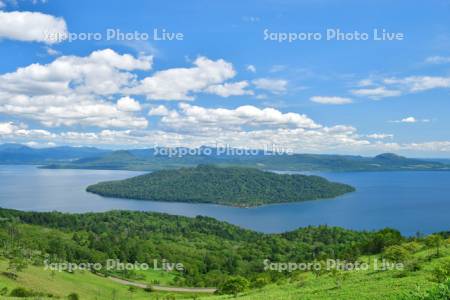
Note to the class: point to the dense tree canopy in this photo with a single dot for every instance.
(211, 251)
(230, 186)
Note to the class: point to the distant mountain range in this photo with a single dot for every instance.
(21, 154)
(154, 159)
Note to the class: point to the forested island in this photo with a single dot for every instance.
(236, 186)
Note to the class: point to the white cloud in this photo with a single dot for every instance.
(380, 136)
(411, 120)
(160, 110)
(376, 93)
(243, 127)
(73, 90)
(31, 26)
(180, 83)
(21, 131)
(201, 119)
(408, 120)
(420, 83)
(229, 89)
(103, 72)
(392, 87)
(438, 60)
(128, 104)
(52, 52)
(276, 86)
(251, 68)
(331, 100)
(7, 128)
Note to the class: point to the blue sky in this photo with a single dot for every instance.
(224, 83)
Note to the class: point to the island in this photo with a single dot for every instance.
(234, 186)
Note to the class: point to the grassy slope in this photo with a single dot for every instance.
(359, 285)
(85, 284)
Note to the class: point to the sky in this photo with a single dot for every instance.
(345, 77)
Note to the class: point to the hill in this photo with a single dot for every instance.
(150, 160)
(214, 254)
(156, 159)
(229, 186)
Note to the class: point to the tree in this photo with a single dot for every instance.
(15, 265)
(319, 269)
(234, 285)
(441, 273)
(339, 277)
(260, 282)
(397, 253)
(434, 240)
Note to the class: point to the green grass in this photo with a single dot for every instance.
(359, 285)
(85, 284)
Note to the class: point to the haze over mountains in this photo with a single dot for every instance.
(152, 159)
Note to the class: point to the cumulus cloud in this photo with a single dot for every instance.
(74, 90)
(331, 100)
(160, 110)
(201, 119)
(275, 86)
(103, 72)
(128, 104)
(229, 89)
(21, 131)
(180, 83)
(242, 127)
(31, 27)
(7, 128)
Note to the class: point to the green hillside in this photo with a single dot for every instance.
(214, 254)
(364, 285)
(361, 285)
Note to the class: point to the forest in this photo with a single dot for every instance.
(213, 253)
(237, 186)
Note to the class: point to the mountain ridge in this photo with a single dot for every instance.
(151, 159)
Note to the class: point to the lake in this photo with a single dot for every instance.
(407, 201)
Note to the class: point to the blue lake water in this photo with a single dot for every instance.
(407, 201)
